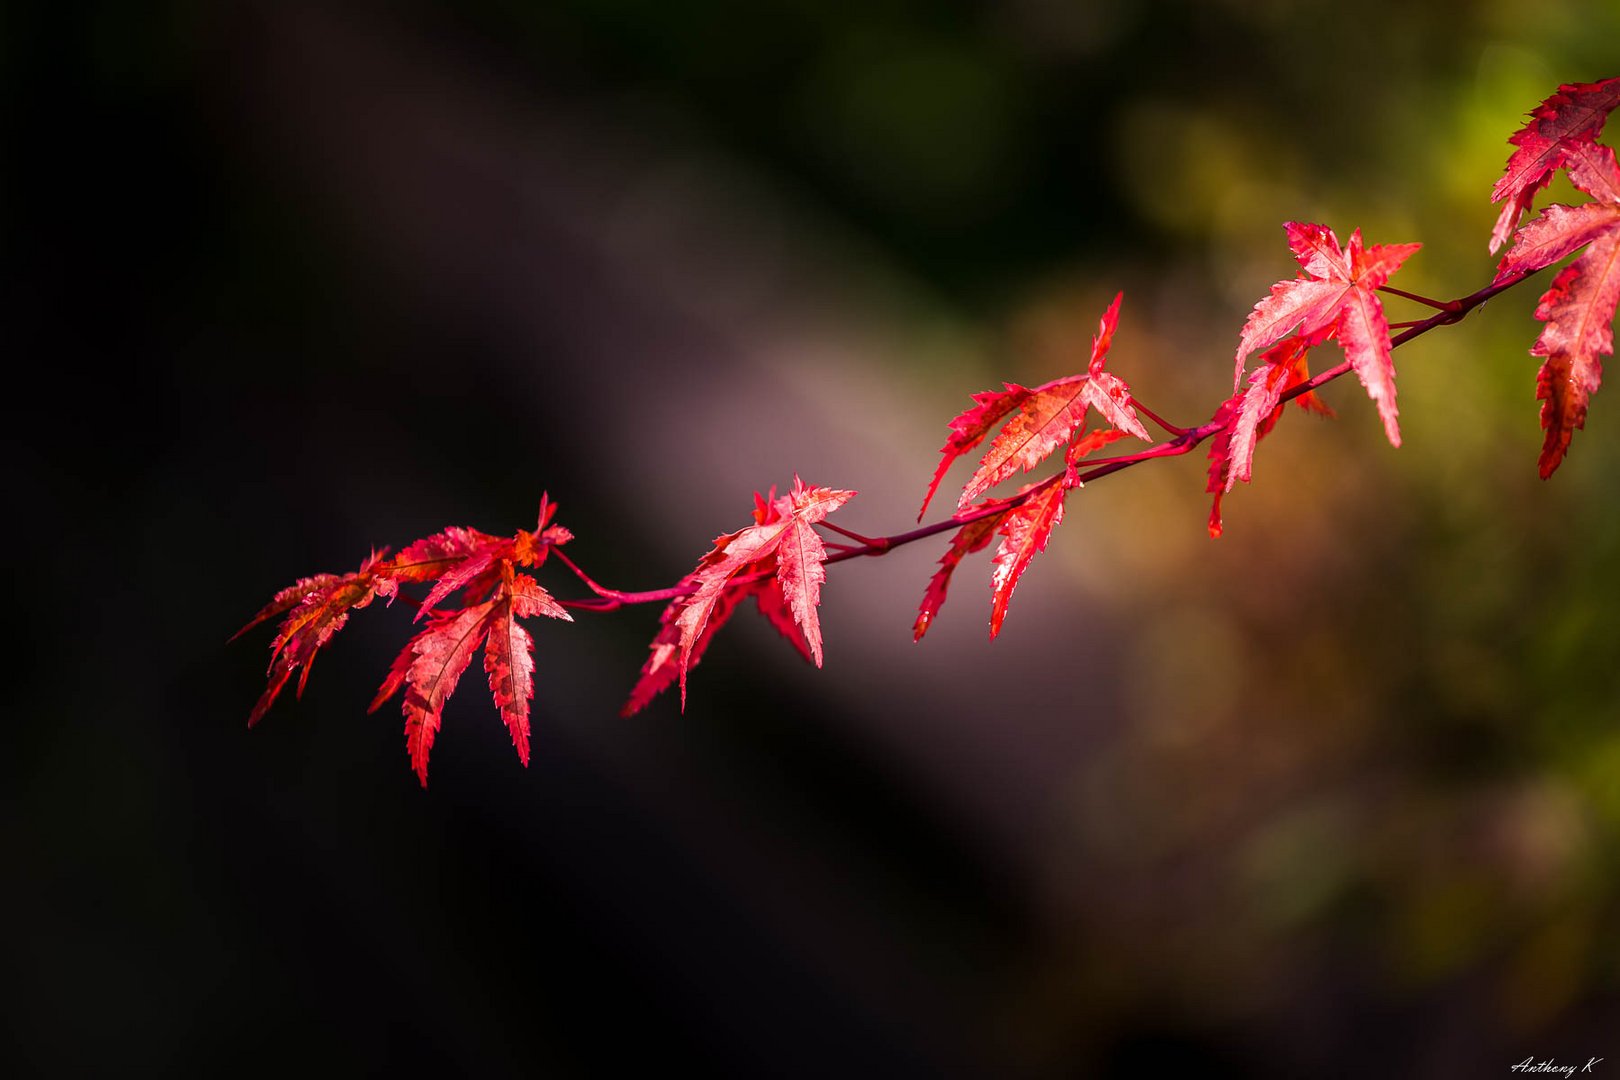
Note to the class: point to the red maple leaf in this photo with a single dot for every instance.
(1024, 532)
(429, 558)
(1043, 419)
(1335, 295)
(316, 607)
(1568, 119)
(437, 657)
(1579, 308)
(508, 653)
(778, 560)
(1250, 415)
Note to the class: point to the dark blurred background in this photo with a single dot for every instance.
(1336, 795)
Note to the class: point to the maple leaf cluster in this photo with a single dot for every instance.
(495, 595)
(780, 560)
(1335, 295)
(1033, 424)
(777, 562)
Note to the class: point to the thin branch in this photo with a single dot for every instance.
(618, 598)
(1183, 441)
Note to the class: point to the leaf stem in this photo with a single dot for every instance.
(1443, 305)
(1169, 428)
(855, 536)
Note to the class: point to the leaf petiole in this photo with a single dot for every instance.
(1439, 305)
(863, 541)
(1168, 427)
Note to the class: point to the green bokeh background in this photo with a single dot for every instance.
(1340, 791)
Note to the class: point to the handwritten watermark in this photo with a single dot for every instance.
(1531, 1065)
